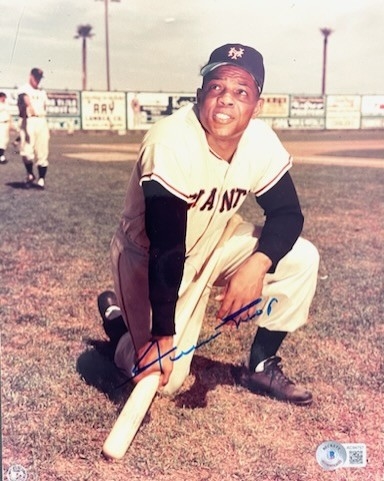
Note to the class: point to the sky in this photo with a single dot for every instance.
(160, 45)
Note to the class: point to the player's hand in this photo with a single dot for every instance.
(155, 356)
(244, 287)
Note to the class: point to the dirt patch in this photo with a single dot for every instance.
(336, 150)
(345, 152)
(102, 156)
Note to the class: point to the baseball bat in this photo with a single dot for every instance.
(140, 400)
(131, 417)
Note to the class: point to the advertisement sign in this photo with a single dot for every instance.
(343, 103)
(350, 120)
(372, 105)
(372, 123)
(275, 106)
(103, 111)
(298, 124)
(145, 108)
(63, 104)
(64, 123)
(343, 112)
(303, 106)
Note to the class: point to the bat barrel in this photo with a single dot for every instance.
(131, 417)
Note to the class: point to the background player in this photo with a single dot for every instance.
(34, 132)
(194, 171)
(5, 126)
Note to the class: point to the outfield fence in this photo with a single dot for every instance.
(121, 111)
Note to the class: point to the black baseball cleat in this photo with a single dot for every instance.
(107, 303)
(41, 183)
(29, 181)
(110, 312)
(272, 382)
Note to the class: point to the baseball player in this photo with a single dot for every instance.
(5, 126)
(34, 132)
(194, 170)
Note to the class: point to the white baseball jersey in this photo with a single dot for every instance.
(37, 97)
(176, 154)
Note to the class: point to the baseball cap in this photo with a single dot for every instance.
(242, 56)
(37, 73)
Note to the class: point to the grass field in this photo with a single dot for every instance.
(58, 385)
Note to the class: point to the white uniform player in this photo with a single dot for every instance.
(34, 131)
(5, 126)
(194, 171)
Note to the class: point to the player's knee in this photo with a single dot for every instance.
(305, 256)
(312, 255)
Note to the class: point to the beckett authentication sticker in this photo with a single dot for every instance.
(331, 455)
(16, 472)
(356, 455)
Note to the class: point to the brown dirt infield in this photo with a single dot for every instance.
(360, 148)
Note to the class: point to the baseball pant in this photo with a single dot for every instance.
(289, 292)
(38, 145)
(4, 135)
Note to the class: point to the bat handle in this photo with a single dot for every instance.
(131, 417)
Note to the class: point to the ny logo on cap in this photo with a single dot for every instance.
(235, 54)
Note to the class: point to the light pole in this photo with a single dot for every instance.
(106, 21)
(326, 33)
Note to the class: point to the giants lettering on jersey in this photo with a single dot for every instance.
(227, 200)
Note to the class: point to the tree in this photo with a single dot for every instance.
(84, 32)
(326, 33)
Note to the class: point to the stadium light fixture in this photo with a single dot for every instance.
(106, 21)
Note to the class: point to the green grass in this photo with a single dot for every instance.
(58, 384)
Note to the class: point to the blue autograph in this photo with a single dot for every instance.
(226, 320)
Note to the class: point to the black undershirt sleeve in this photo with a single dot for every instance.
(283, 220)
(165, 224)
